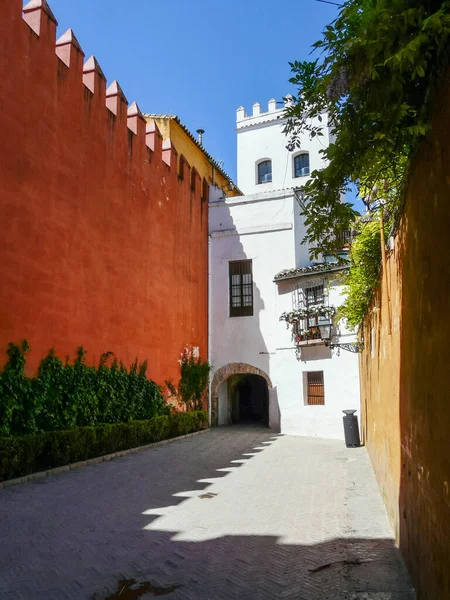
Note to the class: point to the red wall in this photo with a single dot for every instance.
(102, 244)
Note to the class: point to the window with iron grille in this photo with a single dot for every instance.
(315, 388)
(307, 299)
(345, 237)
(265, 171)
(301, 165)
(241, 288)
(314, 296)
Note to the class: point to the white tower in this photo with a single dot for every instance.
(285, 377)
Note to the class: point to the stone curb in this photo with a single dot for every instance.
(93, 461)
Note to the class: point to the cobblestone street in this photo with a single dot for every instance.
(231, 513)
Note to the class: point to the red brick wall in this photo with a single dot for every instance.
(102, 244)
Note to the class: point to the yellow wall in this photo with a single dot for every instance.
(405, 374)
(192, 153)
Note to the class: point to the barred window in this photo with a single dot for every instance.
(307, 299)
(314, 295)
(345, 237)
(241, 288)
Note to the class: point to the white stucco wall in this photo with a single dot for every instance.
(340, 371)
(223, 403)
(261, 228)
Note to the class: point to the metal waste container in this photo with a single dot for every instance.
(351, 430)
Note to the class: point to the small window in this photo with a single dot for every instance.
(315, 392)
(265, 171)
(301, 165)
(241, 288)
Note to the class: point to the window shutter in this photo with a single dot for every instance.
(316, 391)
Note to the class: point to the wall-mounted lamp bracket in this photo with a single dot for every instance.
(354, 347)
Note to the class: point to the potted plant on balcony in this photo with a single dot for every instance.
(304, 316)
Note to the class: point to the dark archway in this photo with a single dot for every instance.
(250, 400)
(222, 375)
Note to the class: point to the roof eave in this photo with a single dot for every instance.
(310, 273)
(211, 160)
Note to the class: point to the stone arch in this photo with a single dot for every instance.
(222, 375)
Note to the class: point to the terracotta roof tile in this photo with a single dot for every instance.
(311, 269)
(193, 138)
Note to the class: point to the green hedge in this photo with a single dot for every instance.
(71, 394)
(41, 451)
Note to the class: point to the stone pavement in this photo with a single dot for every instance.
(234, 513)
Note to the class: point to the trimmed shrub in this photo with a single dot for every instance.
(73, 394)
(35, 452)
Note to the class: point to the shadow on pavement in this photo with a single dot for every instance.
(94, 533)
(260, 567)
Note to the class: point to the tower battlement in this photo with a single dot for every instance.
(105, 237)
(274, 111)
(83, 81)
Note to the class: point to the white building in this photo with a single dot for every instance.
(259, 269)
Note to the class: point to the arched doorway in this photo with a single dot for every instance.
(248, 398)
(240, 390)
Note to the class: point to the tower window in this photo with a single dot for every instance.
(265, 171)
(301, 165)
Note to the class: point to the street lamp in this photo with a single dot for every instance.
(325, 331)
(325, 334)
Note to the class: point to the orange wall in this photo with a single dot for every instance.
(405, 385)
(380, 365)
(102, 245)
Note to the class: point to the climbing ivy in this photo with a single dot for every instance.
(194, 378)
(372, 84)
(70, 394)
(363, 276)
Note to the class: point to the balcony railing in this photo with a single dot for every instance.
(306, 335)
(305, 323)
(346, 237)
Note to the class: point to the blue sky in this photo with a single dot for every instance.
(200, 59)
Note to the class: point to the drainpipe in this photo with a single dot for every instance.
(209, 317)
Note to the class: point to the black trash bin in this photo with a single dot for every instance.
(351, 430)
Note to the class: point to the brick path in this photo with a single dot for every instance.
(235, 513)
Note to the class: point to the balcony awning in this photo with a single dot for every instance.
(318, 268)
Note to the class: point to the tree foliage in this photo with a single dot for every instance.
(372, 85)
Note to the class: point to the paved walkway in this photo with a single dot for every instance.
(232, 513)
